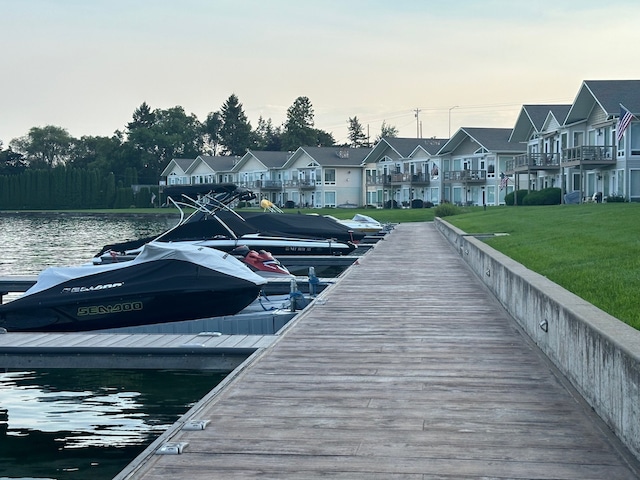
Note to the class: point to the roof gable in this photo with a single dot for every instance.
(404, 147)
(607, 95)
(180, 164)
(532, 119)
(495, 140)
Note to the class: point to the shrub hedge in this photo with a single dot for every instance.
(510, 197)
(546, 196)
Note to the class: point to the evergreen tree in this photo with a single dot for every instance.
(324, 139)
(387, 131)
(299, 127)
(235, 132)
(357, 137)
(267, 136)
(211, 132)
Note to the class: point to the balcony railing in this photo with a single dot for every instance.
(269, 184)
(589, 155)
(535, 161)
(466, 176)
(300, 184)
(400, 179)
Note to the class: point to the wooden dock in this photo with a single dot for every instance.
(407, 368)
(203, 351)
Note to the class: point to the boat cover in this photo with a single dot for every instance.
(292, 225)
(206, 257)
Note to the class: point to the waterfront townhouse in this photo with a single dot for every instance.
(203, 169)
(212, 169)
(578, 147)
(403, 172)
(261, 172)
(583, 153)
(597, 160)
(175, 173)
(538, 127)
(319, 177)
(472, 164)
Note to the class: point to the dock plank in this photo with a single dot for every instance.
(406, 368)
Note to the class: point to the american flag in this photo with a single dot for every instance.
(623, 122)
(503, 181)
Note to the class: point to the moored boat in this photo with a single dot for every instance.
(214, 224)
(164, 283)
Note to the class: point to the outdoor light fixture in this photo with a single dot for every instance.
(544, 325)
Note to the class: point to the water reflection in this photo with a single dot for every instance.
(66, 423)
(33, 241)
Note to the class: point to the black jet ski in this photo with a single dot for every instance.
(164, 283)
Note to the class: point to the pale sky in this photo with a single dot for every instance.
(86, 65)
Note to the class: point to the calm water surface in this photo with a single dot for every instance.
(81, 424)
(31, 242)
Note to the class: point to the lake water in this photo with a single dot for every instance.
(80, 423)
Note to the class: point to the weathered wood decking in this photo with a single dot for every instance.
(409, 369)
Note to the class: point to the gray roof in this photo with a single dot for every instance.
(221, 163)
(406, 146)
(609, 95)
(337, 156)
(532, 118)
(492, 139)
(183, 163)
(271, 159)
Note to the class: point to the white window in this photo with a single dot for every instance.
(329, 199)
(330, 176)
(634, 129)
(491, 195)
(634, 187)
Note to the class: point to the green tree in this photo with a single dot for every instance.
(267, 137)
(387, 131)
(324, 139)
(299, 127)
(11, 162)
(211, 132)
(96, 153)
(235, 133)
(44, 146)
(155, 137)
(357, 137)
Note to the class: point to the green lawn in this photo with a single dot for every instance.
(592, 250)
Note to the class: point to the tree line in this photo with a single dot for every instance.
(155, 136)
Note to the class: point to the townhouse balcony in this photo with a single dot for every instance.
(533, 162)
(397, 179)
(419, 178)
(468, 177)
(593, 156)
(269, 184)
(300, 184)
(306, 185)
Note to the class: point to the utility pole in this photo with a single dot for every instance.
(417, 110)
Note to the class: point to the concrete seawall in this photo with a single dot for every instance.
(598, 353)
